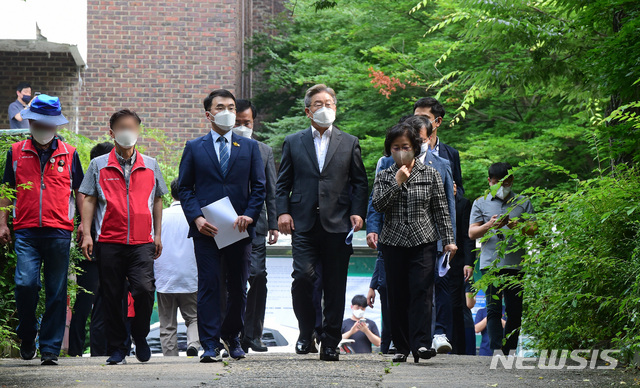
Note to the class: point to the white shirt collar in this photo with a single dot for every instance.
(216, 135)
(326, 133)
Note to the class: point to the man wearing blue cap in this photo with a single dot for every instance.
(46, 174)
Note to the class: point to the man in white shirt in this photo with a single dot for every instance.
(176, 276)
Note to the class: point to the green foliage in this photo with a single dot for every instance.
(547, 86)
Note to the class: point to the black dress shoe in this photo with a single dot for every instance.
(399, 357)
(424, 353)
(303, 346)
(48, 359)
(192, 351)
(255, 344)
(27, 350)
(329, 354)
(315, 339)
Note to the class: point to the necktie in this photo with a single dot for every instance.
(224, 155)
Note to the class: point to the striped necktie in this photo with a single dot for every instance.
(224, 155)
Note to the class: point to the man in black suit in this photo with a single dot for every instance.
(267, 224)
(461, 271)
(321, 194)
(434, 111)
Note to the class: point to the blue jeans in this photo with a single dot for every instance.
(32, 253)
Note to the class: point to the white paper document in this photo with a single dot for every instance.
(222, 215)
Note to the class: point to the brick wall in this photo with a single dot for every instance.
(160, 58)
(55, 74)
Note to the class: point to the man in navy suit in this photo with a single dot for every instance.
(217, 165)
(434, 111)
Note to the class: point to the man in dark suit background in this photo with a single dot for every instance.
(321, 194)
(461, 271)
(217, 165)
(434, 111)
(267, 224)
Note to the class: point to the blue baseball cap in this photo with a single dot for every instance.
(46, 109)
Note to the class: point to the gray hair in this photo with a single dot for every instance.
(315, 89)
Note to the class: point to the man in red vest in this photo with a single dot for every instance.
(46, 173)
(123, 195)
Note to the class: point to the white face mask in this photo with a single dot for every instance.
(42, 137)
(324, 116)
(126, 138)
(424, 148)
(402, 157)
(224, 120)
(359, 314)
(243, 131)
(503, 192)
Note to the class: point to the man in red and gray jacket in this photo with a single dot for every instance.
(123, 195)
(46, 172)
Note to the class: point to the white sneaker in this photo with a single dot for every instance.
(441, 343)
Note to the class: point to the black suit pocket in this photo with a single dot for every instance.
(295, 198)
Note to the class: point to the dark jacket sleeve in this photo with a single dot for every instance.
(374, 218)
(466, 245)
(285, 179)
(258, 185)
(456, 169)
(469, 244)
(270, 170)
(359, 183)
(186, 182)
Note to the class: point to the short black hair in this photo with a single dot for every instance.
(404, 118)
(217, 93)
(242, 105)
(359, 300)
(429, 102)
(100, 149)
(123, 113)
(175, 186)
(499, 170)
(402, 129)
(22, 85)
(417, 122)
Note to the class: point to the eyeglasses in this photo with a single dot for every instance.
(220, 108)
(319, 105)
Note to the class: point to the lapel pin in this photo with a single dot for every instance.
(236, 144)
(52, 160)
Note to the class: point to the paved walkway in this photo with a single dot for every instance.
(290, 370)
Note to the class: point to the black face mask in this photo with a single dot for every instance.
(26, 99)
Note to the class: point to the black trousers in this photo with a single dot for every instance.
(328, 249)
(458, 304)
(118, 263)
(88, 280)
(257, 293)
(385, 338)
(410, 292)
(513, 309)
